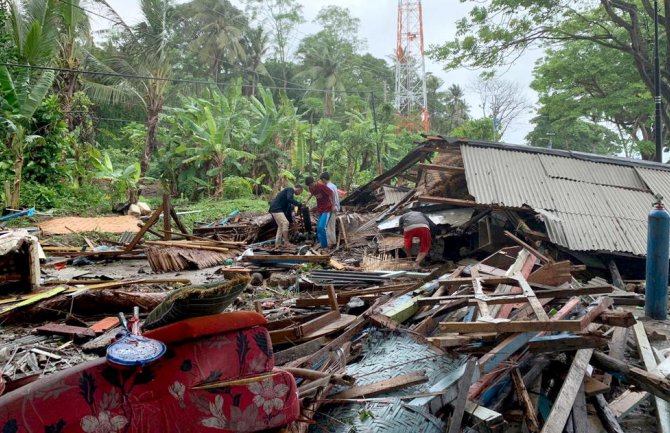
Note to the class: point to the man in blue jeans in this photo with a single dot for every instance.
(324, 206)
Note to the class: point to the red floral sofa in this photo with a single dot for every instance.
(217, 375)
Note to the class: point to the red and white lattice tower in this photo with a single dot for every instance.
(410, 66)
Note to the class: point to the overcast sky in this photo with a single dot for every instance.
(378, 28)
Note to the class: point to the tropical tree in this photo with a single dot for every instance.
(256, 45)
(212, 132)
(324, 61)
(281, 17)
(209, 38)
(279, 134)
(145, 52)
(33, 37)
(496, 32)
(604, 90)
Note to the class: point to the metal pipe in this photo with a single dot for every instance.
(658, 249)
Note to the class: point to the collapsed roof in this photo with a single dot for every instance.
(587, 202)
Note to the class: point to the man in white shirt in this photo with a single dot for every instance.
(332, 222)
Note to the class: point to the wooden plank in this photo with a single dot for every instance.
(606, 415)
(445, 168)
(447, 390)
(578, 414)
(643, 379)
(33, 299)
(594, 387)
(459, 403)
(383, 386)
(552, 274)
(66, 330)
(541, 294)
(443, 341)
(538, 309)
(649, 360)
(511, 344)
(286, 258)
(530, 249)
(626, 402)
(529, 412)
(167, 222)
(514, 326)
(566, 396)
(296, 352)
(617, 348)
(565, 343)
(467, 203)
(481, 415)
(617, 281)
(147, 225)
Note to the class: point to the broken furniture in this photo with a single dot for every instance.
(20, 255)
(219, 374)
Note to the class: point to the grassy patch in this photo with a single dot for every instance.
(217, 209)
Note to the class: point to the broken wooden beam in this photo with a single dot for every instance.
(522, 396)
(643, 379)
(65, 330)
(568, 393)
(383, 386)
(286, 258)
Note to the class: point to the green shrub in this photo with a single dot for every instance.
(236, 187)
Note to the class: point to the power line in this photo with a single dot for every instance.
(172, 80)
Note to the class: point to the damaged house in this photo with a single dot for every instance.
(585, 206)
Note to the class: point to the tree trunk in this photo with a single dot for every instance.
(218, 181)
(151, 143)
(16, 187)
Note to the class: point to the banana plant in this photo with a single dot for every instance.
(18, 105)
(124, 181)
(217, 130)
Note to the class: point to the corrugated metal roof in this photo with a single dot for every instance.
(393, 195)
(590, 172)
(658, 181)
(587, 205)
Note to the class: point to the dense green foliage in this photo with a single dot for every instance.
(240, 104)
(214, 101)
(596, 79)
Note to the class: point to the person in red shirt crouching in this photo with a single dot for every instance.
(324, 207)
(416, 225)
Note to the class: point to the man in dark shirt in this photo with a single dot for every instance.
(281, 209)
(324, 205)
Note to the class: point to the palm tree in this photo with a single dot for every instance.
(74, 29)
(256, 45)
(22, 91)
(324, 61)
(457, 110)
(147, 54)
(220, 33)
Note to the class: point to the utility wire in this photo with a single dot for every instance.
(172, 80)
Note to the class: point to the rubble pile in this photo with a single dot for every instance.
(516, 322)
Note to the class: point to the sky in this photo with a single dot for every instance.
(378, 28)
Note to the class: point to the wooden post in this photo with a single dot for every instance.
(528, 408)
(167, 223)
(332, 298)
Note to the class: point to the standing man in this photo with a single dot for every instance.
(324, 206)
(416, 225)
(281, 209)
(332, 221)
